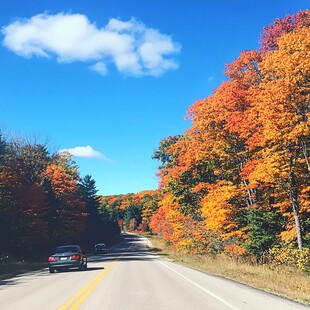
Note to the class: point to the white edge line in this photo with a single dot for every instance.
(202, 288)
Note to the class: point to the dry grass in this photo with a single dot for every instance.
(283, 281)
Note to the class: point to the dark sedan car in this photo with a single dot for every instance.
(66, 257)
(100, 248)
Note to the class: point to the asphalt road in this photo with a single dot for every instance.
(130, 277)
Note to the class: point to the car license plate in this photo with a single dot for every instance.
(63, 258)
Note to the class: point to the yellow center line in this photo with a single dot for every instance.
(76, 301)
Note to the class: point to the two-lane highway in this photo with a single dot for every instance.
(130, 277)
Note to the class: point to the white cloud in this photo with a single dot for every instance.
(153, 48)
(130, 45)
(86, 152)
(100, 67)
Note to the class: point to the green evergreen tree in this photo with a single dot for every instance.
(264, 228)
(132, 213)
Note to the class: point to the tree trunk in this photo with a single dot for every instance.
(251, 200)
(305, 153)
(295, 205)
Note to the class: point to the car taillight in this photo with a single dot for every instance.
(52, 259)
(76, 256)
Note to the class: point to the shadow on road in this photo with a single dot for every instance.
(132, 248)
(76, 270)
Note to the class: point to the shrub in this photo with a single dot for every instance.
(291, 256)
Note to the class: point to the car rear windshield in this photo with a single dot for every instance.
(64, 249)
(99, 246)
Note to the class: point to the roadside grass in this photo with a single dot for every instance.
(283, 281)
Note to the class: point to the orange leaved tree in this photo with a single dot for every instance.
(282, 106)
(67, 209)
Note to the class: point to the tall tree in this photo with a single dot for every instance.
(88, 190)
(94, 230)
(23, 202)
(283, 109)
(67, 209)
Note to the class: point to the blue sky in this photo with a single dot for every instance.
(108, 80)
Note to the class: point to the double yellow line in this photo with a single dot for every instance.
(76, 301)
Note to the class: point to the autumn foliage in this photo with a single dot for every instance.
(42, 203)
(240, 174)
(132, 211)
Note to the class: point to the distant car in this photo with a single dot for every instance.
(67, 257)
(100, 248)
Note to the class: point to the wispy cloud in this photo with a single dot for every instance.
(132, 47)
(100, 67)
(86, 152)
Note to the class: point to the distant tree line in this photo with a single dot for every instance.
(44, 202)
(133, 211)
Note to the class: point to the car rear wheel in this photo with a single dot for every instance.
(52, 270)
(83, 266)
